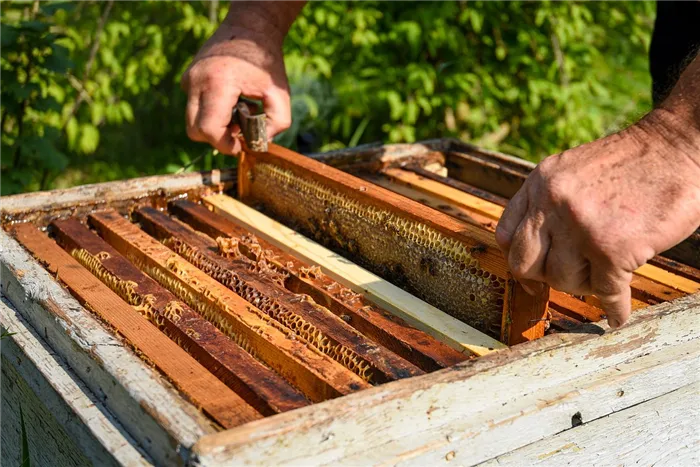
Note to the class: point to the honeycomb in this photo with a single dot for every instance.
(125, 289)
(439, 269)
(208, 308)
(274, 309)
(230, 247)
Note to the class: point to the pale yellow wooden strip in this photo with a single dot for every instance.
(419, 313)
(446, 192)
(662, 276)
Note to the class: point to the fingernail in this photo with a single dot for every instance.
(527, 289)
(614, 324)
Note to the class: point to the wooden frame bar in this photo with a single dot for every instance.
(454, 265)
(259, 386)
(449, 330)
(54, 401)
(147, 407)
(215, 398)
(427, 191)
(318, 377)
(317, 325)
(536, 389)
(414, 345)
(595, 376)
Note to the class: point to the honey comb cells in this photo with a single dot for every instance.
(440, 269)
(303, 329)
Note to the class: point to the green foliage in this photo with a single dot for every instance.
(530, 78)
(90, 90)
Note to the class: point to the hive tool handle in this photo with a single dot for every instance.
(253, 127)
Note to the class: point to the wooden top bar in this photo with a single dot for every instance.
(318, 376)
(256, 383)
(205, 390)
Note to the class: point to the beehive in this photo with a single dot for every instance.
(215, 316)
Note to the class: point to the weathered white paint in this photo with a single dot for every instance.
(66, 424)
(661, 432)
(481, 409)
(420, 314)
(111, 191)
(153, 412)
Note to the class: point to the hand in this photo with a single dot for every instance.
(234, 62)
(585, 219)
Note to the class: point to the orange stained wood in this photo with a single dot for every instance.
(573, 307)
(521, 321)
(318, 376)
(202, 387)
(336, 339)
(414, 345)
(644, 289)
(595, 301)
(669, 279)
(480, 242)
(261, 387)
(445, 192)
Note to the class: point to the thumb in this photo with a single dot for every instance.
(612, 287)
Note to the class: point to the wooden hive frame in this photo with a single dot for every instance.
(509, 405)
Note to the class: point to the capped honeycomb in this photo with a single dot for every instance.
(439, 269)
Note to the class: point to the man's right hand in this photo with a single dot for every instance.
(243, 57)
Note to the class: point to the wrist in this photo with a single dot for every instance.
(678, 133)
(271, 20)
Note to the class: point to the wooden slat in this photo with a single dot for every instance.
(499, 178)
(669, 279)
(459, 185)
(215, 398)
(652, 292)
(686, 252)
(418, 313)
(595, 301)
(445, 192)
(262, 388)
(676, 267)
(573, 307)
(337, 339)
(432, 201)
(318, 376)
(643, 289)
(522, 322)
(453, 265)
(414, 345)
(535, 390)
(561, 322)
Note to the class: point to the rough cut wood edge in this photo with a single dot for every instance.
(662, 431)
(415, 311)
(93, 429)
(148, 407)
(534, 391)
(111, 191)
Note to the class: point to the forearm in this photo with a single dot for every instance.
(682, 109)
(272, 19)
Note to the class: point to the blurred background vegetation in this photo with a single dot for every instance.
(90, 90)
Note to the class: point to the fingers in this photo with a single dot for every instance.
(566, 270)
(612, 287)
(214, 117)
(529, 249)
(277, 104)
(510, 220)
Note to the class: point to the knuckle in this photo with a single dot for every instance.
(503, 237)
